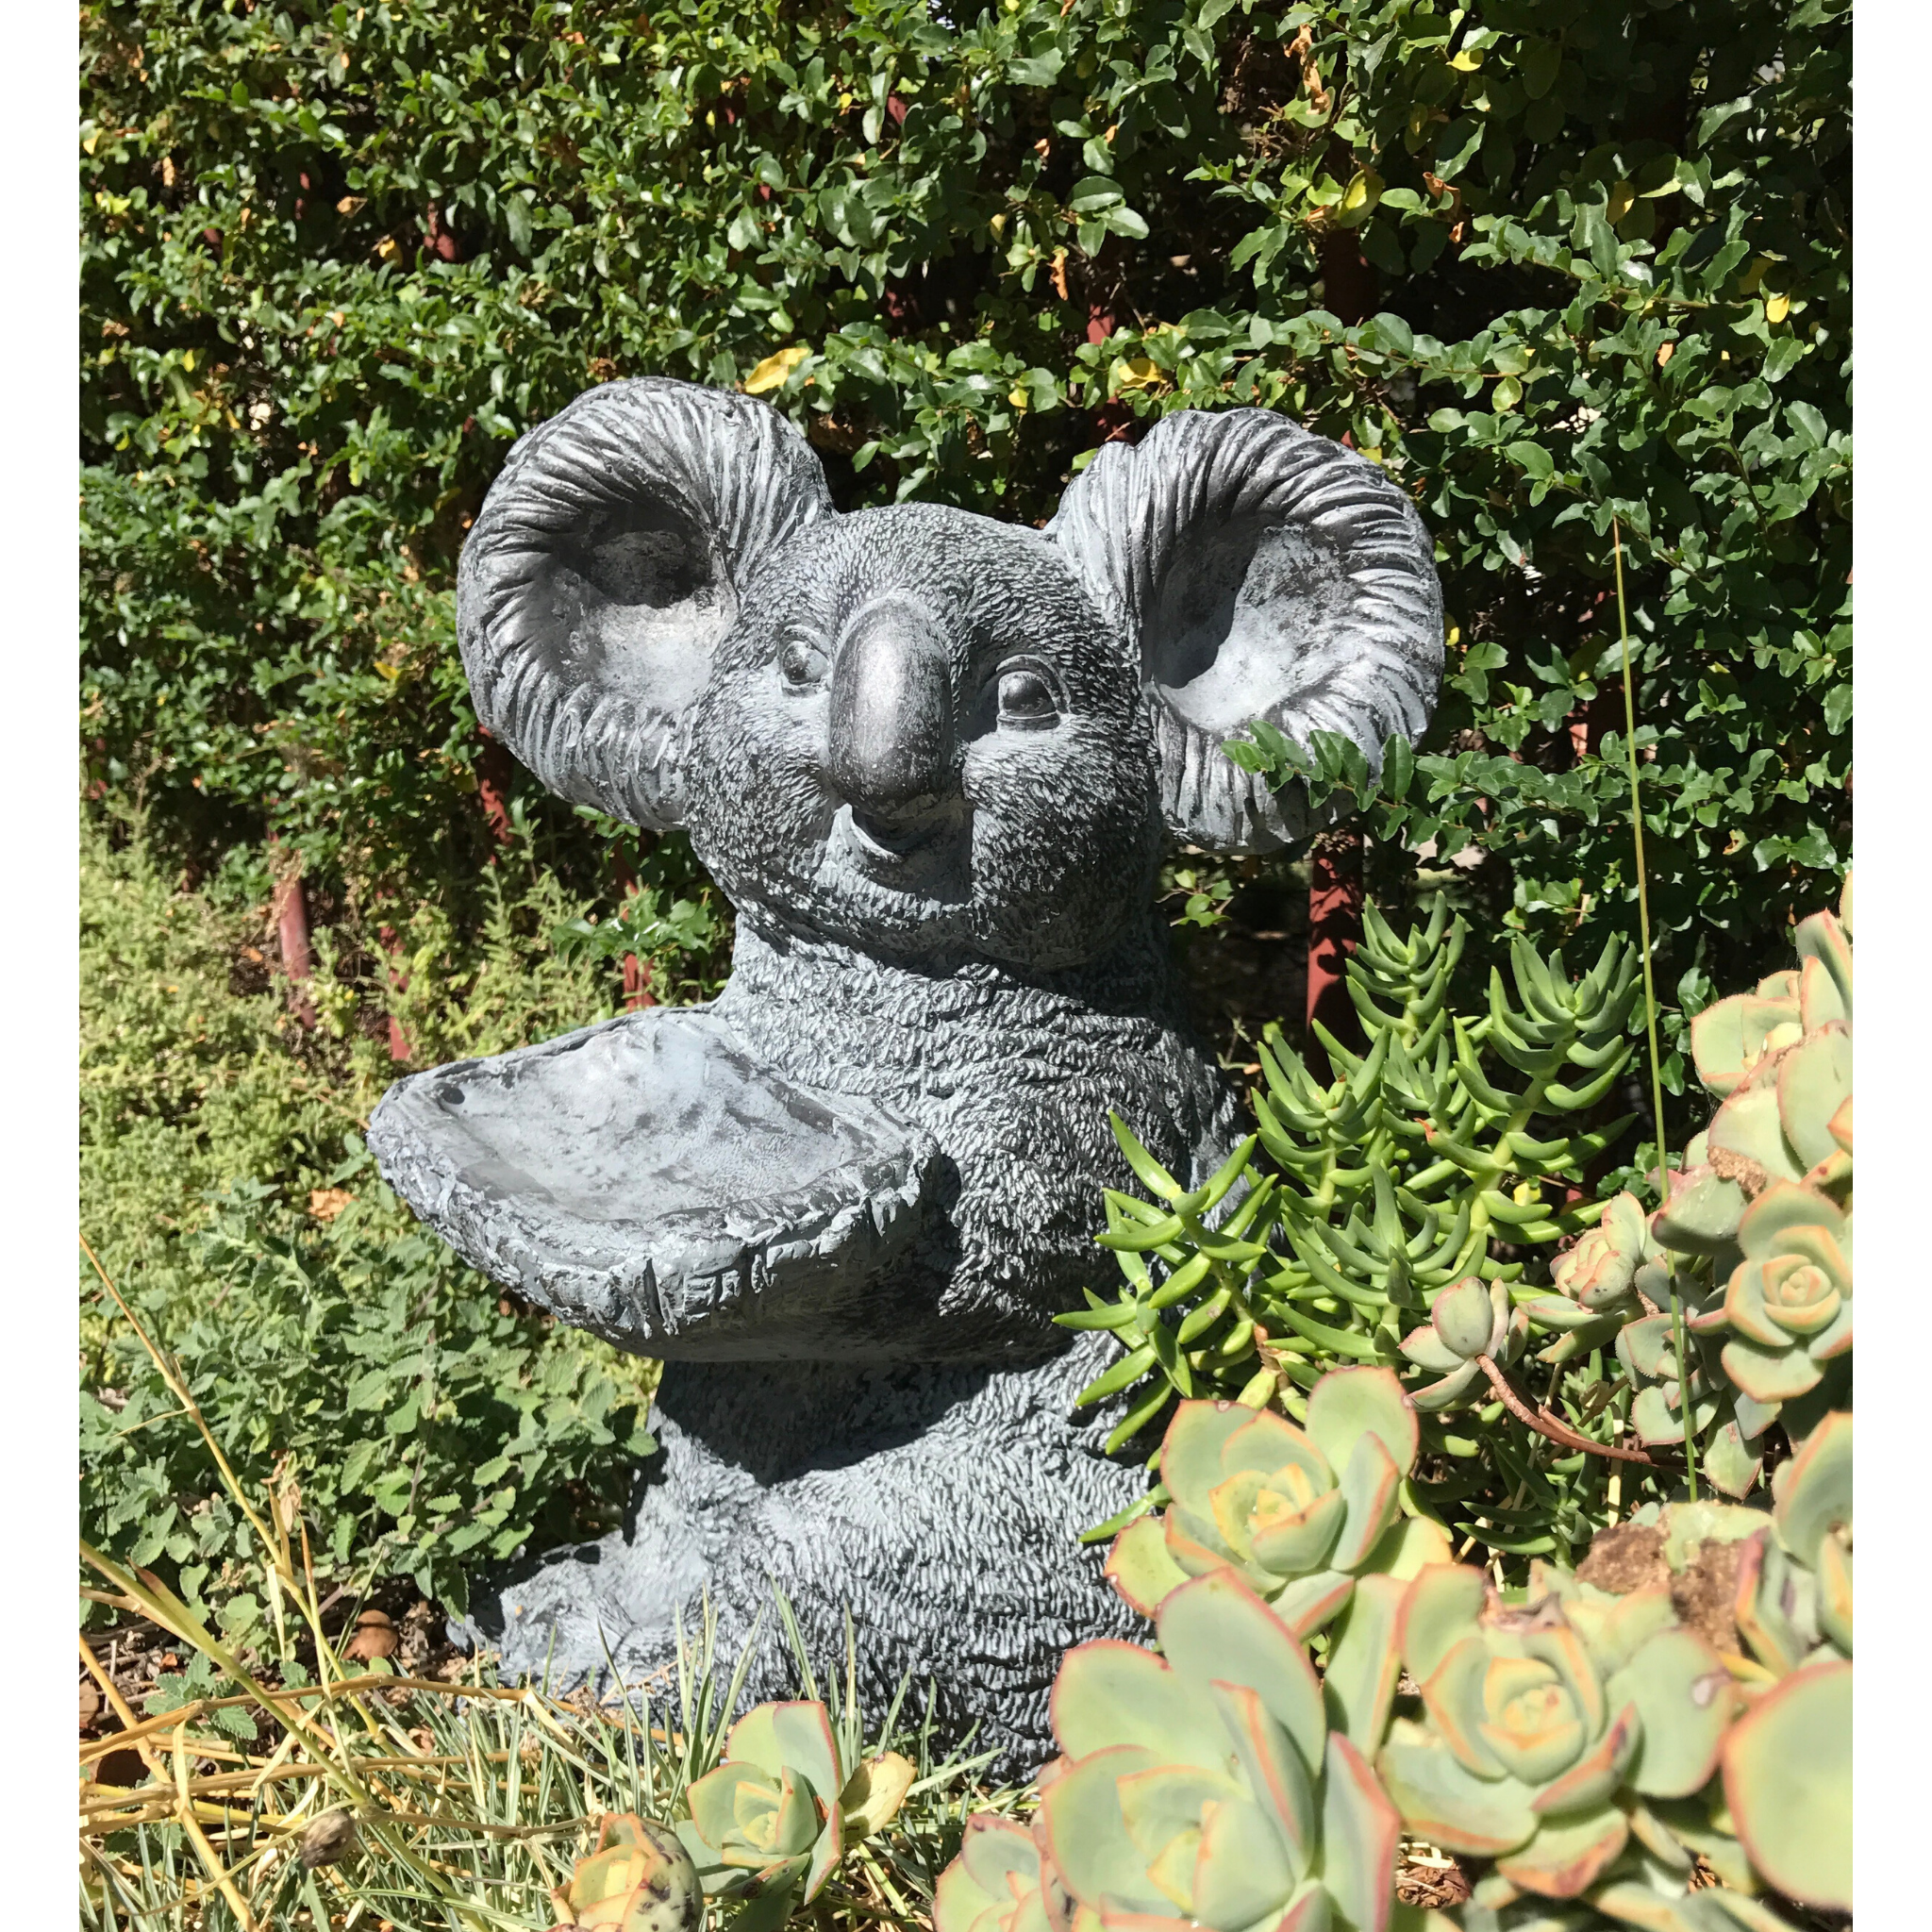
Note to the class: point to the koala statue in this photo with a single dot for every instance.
(933, 761)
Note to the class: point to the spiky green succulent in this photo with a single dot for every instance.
(1469, 1321)
(1550, 1727)
(1220, 1783)
(773, 1821)
(1298, 1514)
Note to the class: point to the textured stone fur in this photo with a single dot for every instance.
(941, 1506)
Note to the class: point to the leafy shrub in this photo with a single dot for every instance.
(1550, 265)
(413, 1423)
(189, 1081)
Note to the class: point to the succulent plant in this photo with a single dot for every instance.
(1788, 1761)
(1299, 1515)
(1422, 1159)
(1469, 1319)
(1002, 1880)
(1760, 1222)
(1771, 1201)
(1550, 1727)
(1788, 1783)
(1208, 1785)
(1647, 1351)
(638, 1879)
(774, 1819)
(1616, 1266)
(1788, 1305)
(1794, 1584)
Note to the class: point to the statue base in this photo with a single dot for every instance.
(942, 1505)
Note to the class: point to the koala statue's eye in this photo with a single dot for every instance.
(801, 663)
(1028, 697)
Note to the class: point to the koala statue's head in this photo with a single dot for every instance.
(914, 730)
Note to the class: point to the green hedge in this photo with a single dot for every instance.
(1552, 265)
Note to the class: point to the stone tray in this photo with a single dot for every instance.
(646, 1177)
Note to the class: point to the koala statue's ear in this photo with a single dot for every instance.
(605, 566)
(1257, 571)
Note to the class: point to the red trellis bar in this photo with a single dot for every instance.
(289, 912)
(1335, 875)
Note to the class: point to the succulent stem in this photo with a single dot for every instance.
(1545, 1423)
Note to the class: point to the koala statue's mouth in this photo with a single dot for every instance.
(927, 854)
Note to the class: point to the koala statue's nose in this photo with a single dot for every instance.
(892, 711)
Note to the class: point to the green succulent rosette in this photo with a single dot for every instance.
(1549, 1728)
(1762, 1220)
(1795, 1579)
(1298, 1514)
(1469, 1319)
(1208, 1785)
(768, 1819)
(1616, 1265)
(1787, 1304)
(1728, 1426)
(1002, 1881)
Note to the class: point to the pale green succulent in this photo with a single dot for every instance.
(1788, 1761)
(1787, 1304)
(1298, 1515)
(1220, 1784)
(1468, 1321)
(1550, 1725)
(1002, 1881)
(1762, 1216)
(773, 1821)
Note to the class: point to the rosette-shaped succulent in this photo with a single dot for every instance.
(1794, 1581)
(1540, 1721)
(1466, 1321)
(1788, 1761)
(1615, 1266)
(1299, 1515)
(1208, 1785)
(638, 1879)
(1615, 1273)
(1788, 1303)
(1782, 1057)
(774, 1819)
(1002, 1881)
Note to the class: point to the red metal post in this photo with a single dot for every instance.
(492, 786)
(291, 914)
(400, 1047)
(637, 975)
(1334, 929)
(1334, 877)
